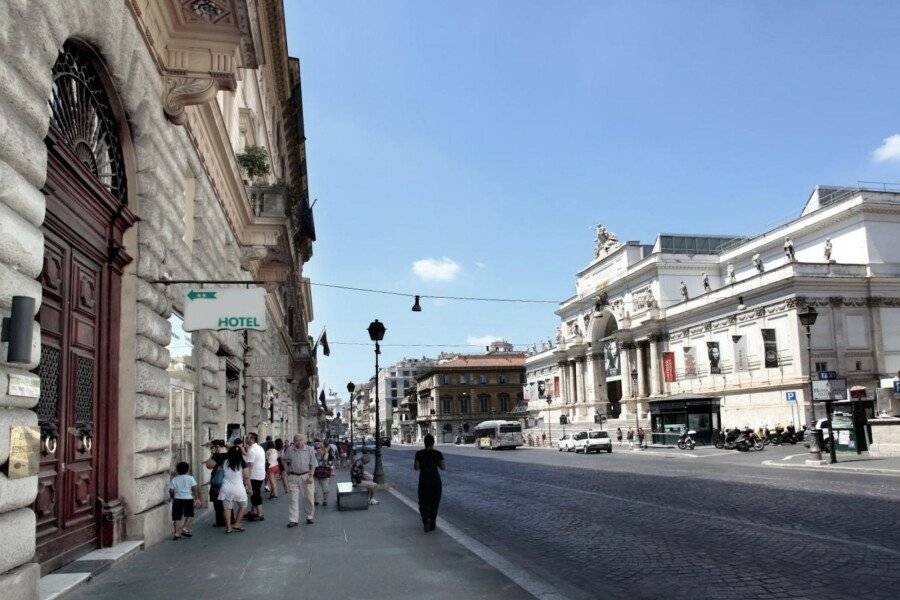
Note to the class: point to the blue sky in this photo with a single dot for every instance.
(496, 134)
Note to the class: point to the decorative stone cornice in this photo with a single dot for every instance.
(183, 91)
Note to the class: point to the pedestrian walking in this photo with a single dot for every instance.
(282, 471)
(429, 463)
(640, 437)
(344, 451)
(215, 463)
(235, 486)
(185, 496)
(630, 437)
(360, 477)
(272, 470)
(543, 439)
(322, 473)
(300, 461)
(255, 458)
(619, 435)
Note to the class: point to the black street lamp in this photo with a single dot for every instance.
(376, 334)
(351, 388)
(807, 318)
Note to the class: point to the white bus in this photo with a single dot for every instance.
(498, 434)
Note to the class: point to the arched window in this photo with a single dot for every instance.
(484, 403)
(82, 120)
(504, 402)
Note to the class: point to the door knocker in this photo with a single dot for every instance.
(49, 437)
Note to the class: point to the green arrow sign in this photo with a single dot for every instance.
(194, 294)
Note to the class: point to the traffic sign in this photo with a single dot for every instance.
(791, 397)
(229, 309)
(823, 375)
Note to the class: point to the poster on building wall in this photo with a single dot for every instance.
(542, 389)
(611, 358)
(715, 357)
(770, 348)
(741, 360)
(556, 387)
(668, 362)
(690, 361)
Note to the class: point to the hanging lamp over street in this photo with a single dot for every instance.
(416, 307)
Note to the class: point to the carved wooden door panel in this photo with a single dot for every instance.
(66, 505)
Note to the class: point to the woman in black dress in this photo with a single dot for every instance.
(428, 462)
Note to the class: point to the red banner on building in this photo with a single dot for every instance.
(556, 387)
(668, 364)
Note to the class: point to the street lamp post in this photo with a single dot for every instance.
(549, 434)
(807, 318)
(634, 378)
(376, 334)
(351, 388)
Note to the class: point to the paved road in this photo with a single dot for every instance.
(718, 525)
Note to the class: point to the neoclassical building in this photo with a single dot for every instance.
(121, 126)
(702, 331)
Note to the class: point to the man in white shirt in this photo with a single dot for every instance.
(256, 460)
(300, 461)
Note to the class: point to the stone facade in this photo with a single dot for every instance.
(197, 220)
(705, 303)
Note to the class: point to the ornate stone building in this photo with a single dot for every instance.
(461, 390)
(712, 320)
(122, 121)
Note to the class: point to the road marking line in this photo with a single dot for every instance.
(519, 576)
(833, 468)
(790, 456)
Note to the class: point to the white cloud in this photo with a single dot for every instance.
(480, 264)
(436, 269)
(482, 340)
(888, 150)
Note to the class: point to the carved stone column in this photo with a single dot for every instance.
(655, 379)
(563, 381)
(579, 369)
(573, 381)
(625, 362)
(641, 371)
(598, 371)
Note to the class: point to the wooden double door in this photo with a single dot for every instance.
(79, 319)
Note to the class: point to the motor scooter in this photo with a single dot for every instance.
(686, 440)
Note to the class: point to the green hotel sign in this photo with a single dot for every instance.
(225, 309)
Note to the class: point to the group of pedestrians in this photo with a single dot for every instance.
(631, 436)
(240, 471)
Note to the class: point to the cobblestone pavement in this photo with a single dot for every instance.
(622, 525)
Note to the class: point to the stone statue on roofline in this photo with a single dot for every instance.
(605, 241)
(828, 250)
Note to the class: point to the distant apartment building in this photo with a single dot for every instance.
(461, 390)
(393, 381)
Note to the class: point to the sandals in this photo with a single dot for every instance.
(187, 534)
(238, 529)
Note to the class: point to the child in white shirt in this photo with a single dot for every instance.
(184, 494)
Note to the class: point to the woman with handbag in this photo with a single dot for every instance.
(323, 471)
(216, 478)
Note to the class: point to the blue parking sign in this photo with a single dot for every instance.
(791, 397)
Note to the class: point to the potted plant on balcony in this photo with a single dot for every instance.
(254, 161)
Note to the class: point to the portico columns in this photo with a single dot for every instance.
(641, 371)
(579, 369)
(599, 375)
(655, 387)
(573, 381)
(626, 370)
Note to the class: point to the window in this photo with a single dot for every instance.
(504, 402)
(445, 379)
(393, 393)
(483, 402)
(406, 373)
(394, 383)
(483, 379)
(394, 403)
(445, 404)
(464, 405)
(504, 378)
(463, 378)
(393, 373)
(821, 366)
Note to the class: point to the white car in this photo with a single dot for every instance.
(593, 441)
(566, 443)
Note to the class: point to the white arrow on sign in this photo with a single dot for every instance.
(225, 309)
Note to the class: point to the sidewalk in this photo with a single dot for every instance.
(378, 553)
(846, 461)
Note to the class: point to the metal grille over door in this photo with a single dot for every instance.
(84, 392)
(48, 370)
(83, 120)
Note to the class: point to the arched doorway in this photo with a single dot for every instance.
(86, 188)
(605, 345)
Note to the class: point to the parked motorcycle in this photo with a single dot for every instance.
(686, 440)
(728, 440)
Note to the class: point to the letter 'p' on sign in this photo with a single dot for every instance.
(229, 309)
